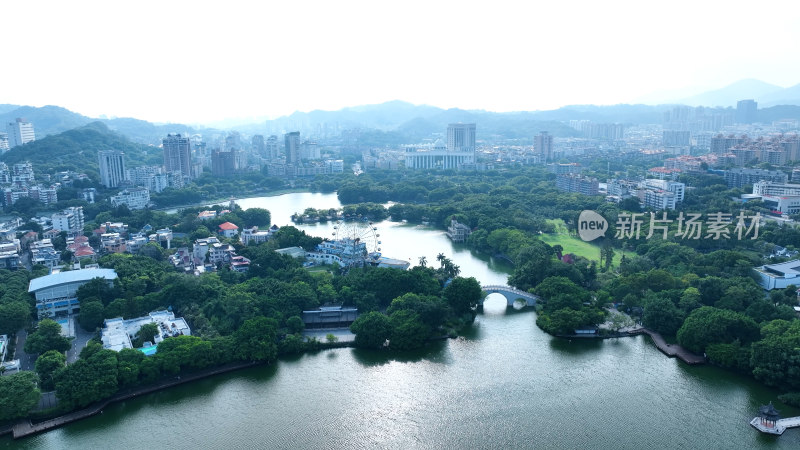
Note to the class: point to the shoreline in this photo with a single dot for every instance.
(228, 199)
(670, 350)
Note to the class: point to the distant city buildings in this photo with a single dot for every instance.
(112, 168)
(746, 111)
(457, 153)
(177, 155)
(69, 220)
(20, 132)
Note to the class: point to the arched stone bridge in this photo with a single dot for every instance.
(511, 294)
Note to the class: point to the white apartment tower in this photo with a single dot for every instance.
(112, 168)
(20, 132)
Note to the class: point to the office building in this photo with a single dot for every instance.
(292, 144)
(177, 154)
(20, 132)
(112, 168)
(259, 146)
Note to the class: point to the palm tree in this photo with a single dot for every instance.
(440, 257)
(423, 261)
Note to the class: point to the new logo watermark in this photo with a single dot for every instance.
(591, 225)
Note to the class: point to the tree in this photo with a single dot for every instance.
(46, 366)
(371, 330)
(91, 378)
(662, 316)
(147, 333)
(331, 338)
(255, 339)
(423, 261)
(14, 315)
(708, 325)
(18, 395)
(295, 324)
(408, 330)
(92, 315)
(463, 294)
(47, 337)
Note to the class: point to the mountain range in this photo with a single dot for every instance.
(397, 122)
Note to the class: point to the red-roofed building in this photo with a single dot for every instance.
(228, 229)
(84, 253)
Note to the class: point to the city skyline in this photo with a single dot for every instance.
(194, 62)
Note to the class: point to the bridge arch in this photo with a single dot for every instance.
(511, 294)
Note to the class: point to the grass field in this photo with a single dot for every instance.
(573, 244)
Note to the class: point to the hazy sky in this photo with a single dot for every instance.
(197, 61)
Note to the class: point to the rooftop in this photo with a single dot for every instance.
(71, 276)
(228, 226)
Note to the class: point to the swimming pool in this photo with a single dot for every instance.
(149, 351)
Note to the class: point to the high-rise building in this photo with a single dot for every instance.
(223, 163)
(273, 149)
(177, 154)
(746, 111)
(292, 143)
(4, 147)
(259, 147)
(543, 145)
(69, 220)
(112, 168)
(461, 137)
(20, 132)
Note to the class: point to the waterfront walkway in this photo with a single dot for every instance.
(780, 425)
(671, 350)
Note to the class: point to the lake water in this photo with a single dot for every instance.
(505, 384)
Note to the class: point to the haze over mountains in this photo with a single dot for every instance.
(412, 122)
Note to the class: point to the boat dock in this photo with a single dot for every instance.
(780, 425)
(671, 350)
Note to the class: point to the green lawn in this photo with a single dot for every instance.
(573, 244)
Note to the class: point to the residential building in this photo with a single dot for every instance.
(745, 177)
(112, 168)
(4, 146)
(258, 145)
(20, 132)
(577, 183)
(675, 187)
(240, 264)
(116, 333)
(228, 229)
(292, 144)
(676, 138)
(56, 294)
(773, 188)
(746, 111)
(133, 198)
(543, 145)
(223, 163)
(458, 232)
(177, 154)
(69, 220)
(254, 236)
(658, 199)
(272, 149)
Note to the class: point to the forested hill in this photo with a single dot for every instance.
(77, 150)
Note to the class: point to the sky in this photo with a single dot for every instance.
(200, 62)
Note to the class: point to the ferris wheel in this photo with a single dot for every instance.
(359, 234)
